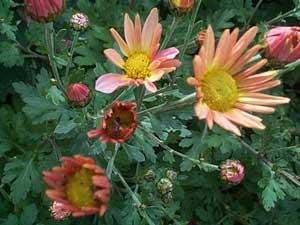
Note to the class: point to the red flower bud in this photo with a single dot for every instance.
(181, 6)
(78, 94)
(283, 44)
(44, 10)
(232, 171)
(118, 123)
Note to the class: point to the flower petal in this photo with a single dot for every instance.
(129, 33)
(156, 75)
(222, 121)
(122, 44)
(169, 53)
(109, 82)
(148, 29)
(114, 57)
(150, 86)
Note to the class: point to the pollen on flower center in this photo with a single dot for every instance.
(219, 89)
(79, 188)
(137, 66)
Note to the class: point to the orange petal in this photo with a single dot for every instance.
(254, 108)
(209, 45)
(222, 121)
(129, 33)
(252, 69)
(114, 57)
(222, 49)
(122, 44)
(199, 67)
(148, 29)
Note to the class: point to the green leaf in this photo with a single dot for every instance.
(10, 55)
(29, 215)
(65, 126)
(134, 153)
(4, 147)
(55, 95)
(11, 220)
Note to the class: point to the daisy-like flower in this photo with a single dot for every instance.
(79, 186)
(143, 63)
(227, 86)
(118, 123)
(283, 44)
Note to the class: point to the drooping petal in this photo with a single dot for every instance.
(110, 82)
(222, 121)
(150, 86)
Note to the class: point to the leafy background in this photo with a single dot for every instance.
(38, 126)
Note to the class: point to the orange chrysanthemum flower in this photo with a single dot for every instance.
(227, 87)
(118, 123)
(79, 185)
(144, 63)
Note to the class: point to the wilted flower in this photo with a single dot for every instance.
(227, 87)
(118, 123)
(149, 175)
(78, 94)
(58, 212)
(283, 44)
(164, 186)
(171, 174)
(232, 171)
(79, 21)
(44, 11)
(79, 185)
(181, 6)
(144, 63)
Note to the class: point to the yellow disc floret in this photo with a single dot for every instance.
(79, 188)
(219, 90)
(137, 66)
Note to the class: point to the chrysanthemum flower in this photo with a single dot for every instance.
(79, 22)
(227, 87)
(143, 63)
(118, 123)
(78, 94)
(283, 44)
(79, 185)
(44, 11)
(232, 171)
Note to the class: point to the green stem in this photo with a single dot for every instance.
(170, 32)
(111, 162)
(188, 35)
(160, 91)
(202, 165)
(49, 38)
(289, 67)
(282, 16)
(253, 13)
(186, 101)
(140, 93)
(294, 179)
(71, 53)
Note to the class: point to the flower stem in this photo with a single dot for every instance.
(202, 165)
(111, 162)
(139, 95)
(186, 101)
(49, 38)
(282, 16)
(170, 32)
(188, 35)
(289, 67)
(293, 178)
(71, 53)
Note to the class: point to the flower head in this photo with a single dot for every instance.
(78, 94)
(79, 21)
(79, 185)
(181, 6)
(143, 63)
(58, 212)
(227, 86)
(118, 123)
(44, 11)
(164, 186)
(283, 44)
(232, 171)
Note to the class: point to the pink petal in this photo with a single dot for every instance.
(150, 86)
(254, 108)
(201, 110)
(148, 29)
(156, 75)
(129, 33)
(122, 44)
(114, 57)
(222, 121)
(109, 82)
(169, 53)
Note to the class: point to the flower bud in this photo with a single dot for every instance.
(232, 171)
(58, 212)
(149, 175)
(167, 198)
(164, 186)
(283, 44)
(180, 7)
(79, 22)
(44, 11)
(78, 94)
(171, 174)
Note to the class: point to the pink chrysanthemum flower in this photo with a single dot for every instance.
(227, 86)
(232, 171)
(283, 44)
(143, 63)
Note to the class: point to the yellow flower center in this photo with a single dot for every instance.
(137, 66)
(219, 90)
(79, 188)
